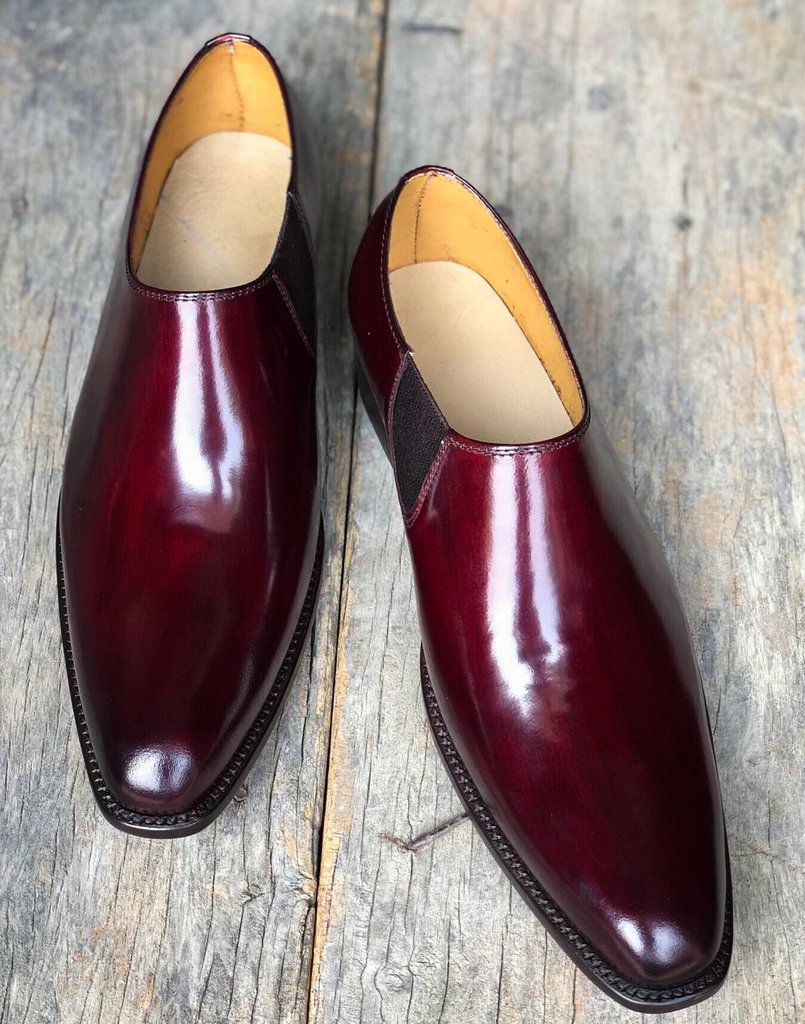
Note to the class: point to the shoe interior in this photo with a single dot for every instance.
(215, 186)
(481, 336)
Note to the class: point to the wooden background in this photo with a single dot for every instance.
(650, 156)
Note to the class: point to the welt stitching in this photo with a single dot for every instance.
(290, 307)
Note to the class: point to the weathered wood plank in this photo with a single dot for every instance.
(97, 927)
(650, 157)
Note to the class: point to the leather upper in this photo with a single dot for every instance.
(561, 661)
(190, 514)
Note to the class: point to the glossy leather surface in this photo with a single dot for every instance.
(189, 517)
(561, 660)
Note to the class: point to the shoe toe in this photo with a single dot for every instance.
(159, 778)
(664, 951)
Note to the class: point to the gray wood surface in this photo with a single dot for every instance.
(650, 157)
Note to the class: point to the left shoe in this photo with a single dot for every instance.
(189, 541)
(557, 667)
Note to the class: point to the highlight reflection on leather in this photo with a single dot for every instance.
(188, 530)
(208, 440)
(561, 660)
(559, 654)
(189, 521)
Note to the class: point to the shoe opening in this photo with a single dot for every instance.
(214, 188)
(480, 332)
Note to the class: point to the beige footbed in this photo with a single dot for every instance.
(214, 188)
(477, 362)
(219, 214)
(481, 335)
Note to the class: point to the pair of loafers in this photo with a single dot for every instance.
(557, 667)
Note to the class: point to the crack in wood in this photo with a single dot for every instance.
(426, 838)
(424, 28)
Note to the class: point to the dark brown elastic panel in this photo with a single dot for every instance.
(417, 431)
(293, 262)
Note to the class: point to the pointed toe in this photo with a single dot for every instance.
(157, 779)
(663, 952)
(168, 731)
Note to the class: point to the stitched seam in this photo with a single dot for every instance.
(426, 483)
(227, 294)
(241, 108)
(538, 448)
(221, 296)
(420, 201)
(383, 261)
(409, 517)
(290, 307)
(389, 424)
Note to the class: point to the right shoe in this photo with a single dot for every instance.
(189, 539)
(557, 667)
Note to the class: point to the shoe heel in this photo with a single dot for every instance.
(372, 410)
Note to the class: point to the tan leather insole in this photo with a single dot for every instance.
(485, 376)
(219, 214)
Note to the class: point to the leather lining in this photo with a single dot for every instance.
(219, 215)
(201, 185)
(478, 362)
(474, 318)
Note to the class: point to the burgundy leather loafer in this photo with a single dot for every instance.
(189, 540)
(557, 667)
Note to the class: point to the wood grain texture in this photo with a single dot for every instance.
(97, 927)
(650, 158)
